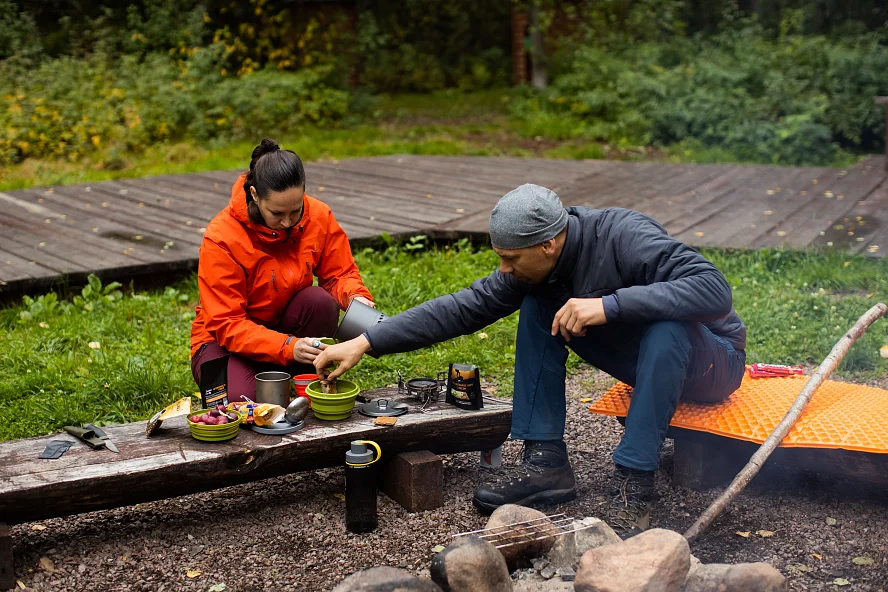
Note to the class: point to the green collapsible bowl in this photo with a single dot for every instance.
(333, 407)
(213, 433)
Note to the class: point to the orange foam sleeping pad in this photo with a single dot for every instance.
(840, 415)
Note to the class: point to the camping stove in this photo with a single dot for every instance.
(426, 390)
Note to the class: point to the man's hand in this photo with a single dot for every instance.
(363, 300)
(346, 354)
(576, 315)
(304, 350)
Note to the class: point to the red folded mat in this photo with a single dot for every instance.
(770, 370)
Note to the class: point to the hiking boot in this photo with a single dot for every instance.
(543, 477)
(629, 501)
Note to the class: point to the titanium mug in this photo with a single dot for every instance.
(273, 387)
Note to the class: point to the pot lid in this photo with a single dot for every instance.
(383, 408)
(279, 428)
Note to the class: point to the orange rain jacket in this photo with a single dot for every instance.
(247, 275)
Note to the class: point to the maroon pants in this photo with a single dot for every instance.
(311, 313)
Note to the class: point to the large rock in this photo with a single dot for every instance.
(743, 577)
(521, 554)
(385, 579)
(471, 564)
(654, 561)
(568, 548)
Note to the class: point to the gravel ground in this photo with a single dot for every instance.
(288, 533)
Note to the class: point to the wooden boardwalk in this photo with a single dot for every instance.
(142, 227)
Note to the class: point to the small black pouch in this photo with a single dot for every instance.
(214, 382)
(55, 449)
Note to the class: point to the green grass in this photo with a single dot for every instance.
(795, 304)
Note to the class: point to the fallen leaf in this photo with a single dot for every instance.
(586, 400)
(94, 345)
(862, 561)
(20, 584)
(781, 233)
(841, 582)
(883, 351)
(828, 193)
(38, 527)
(322, 188)
(217, 588)
(768, 212)
(798, 569)
(193, 573)
(764, 533)
(46, 564)
(698, 234)
(438, 548)
(745, 535)
(482, 336)
(830, 521)
(460, 210)
(817, 556)
(872, 248)
(770, 192)
(339, 496)
(846, 264)
(43, 325)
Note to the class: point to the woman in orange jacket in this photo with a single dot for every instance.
(258, 260)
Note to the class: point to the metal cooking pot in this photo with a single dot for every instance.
(358, 318)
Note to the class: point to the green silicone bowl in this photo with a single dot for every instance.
(333, 407)
(213, 433)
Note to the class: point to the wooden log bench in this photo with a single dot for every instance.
(172, 463)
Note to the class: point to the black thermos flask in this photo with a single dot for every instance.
(360, 486)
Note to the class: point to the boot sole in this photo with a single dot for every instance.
(548, 497)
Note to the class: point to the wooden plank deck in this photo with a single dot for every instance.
(139, 227)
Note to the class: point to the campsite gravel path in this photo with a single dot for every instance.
(288, 533)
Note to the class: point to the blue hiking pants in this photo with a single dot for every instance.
(663, 361)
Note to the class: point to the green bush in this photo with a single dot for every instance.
(68, 106)
(794, 99)
(427, 45)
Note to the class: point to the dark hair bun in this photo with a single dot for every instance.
(265, 146)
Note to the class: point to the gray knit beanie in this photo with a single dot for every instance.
(526, 216)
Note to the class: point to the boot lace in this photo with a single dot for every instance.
(516, 472)
(627, 504)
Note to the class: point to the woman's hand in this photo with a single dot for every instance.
(306, 350)
(346, 354)
(363, 300)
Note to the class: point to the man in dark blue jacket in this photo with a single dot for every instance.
(626, 297)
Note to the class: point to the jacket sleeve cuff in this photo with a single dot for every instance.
(287, 351)
(611, 307)
(372, 349)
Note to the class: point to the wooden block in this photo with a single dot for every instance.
(415, 480)
(7, 571)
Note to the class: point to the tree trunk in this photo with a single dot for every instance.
(539, 74)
